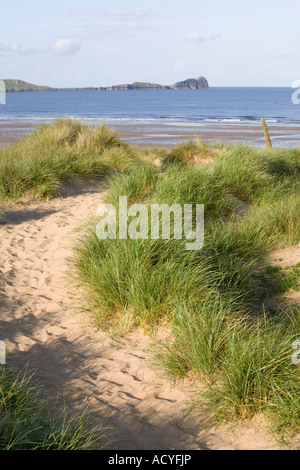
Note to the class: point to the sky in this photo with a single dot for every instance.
(78, 43)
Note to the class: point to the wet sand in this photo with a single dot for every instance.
(11, 133)
(168, 134)
(281, 136)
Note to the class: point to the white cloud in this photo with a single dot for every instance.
(126, 14)
(17, 48)
(66, 47)
(99, 22)
(197, 37)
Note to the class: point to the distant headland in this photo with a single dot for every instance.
(199, 83)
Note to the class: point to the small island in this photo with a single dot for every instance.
(199, 83)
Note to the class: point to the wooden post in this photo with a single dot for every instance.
(266, 132)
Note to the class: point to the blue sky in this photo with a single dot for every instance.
(76, 43)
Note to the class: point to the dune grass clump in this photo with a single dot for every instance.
(221, 331)
(54, 153)
(258, 374)
(27, 424)
(256, 175)
(137, 183)
(192, 151)
(211, 298)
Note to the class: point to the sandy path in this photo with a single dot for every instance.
(41, 326)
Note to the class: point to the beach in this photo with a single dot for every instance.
(139, 334)
(11, 133)
(78, 366)
(149, 228)
(162, 134)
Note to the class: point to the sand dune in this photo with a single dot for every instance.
(42, 327)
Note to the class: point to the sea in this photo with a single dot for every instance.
(164, 117)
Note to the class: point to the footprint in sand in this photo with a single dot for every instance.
(76, 365)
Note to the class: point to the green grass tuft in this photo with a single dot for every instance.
(27, 422)
(209, 297)
(55, 153)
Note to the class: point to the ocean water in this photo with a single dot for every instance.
(164, 113)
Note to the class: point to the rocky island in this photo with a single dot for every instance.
(20, 85)
(199, 83)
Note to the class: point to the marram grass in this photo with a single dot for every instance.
(41, 162)
(221, 331)
(210, 298)
(27, 421)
